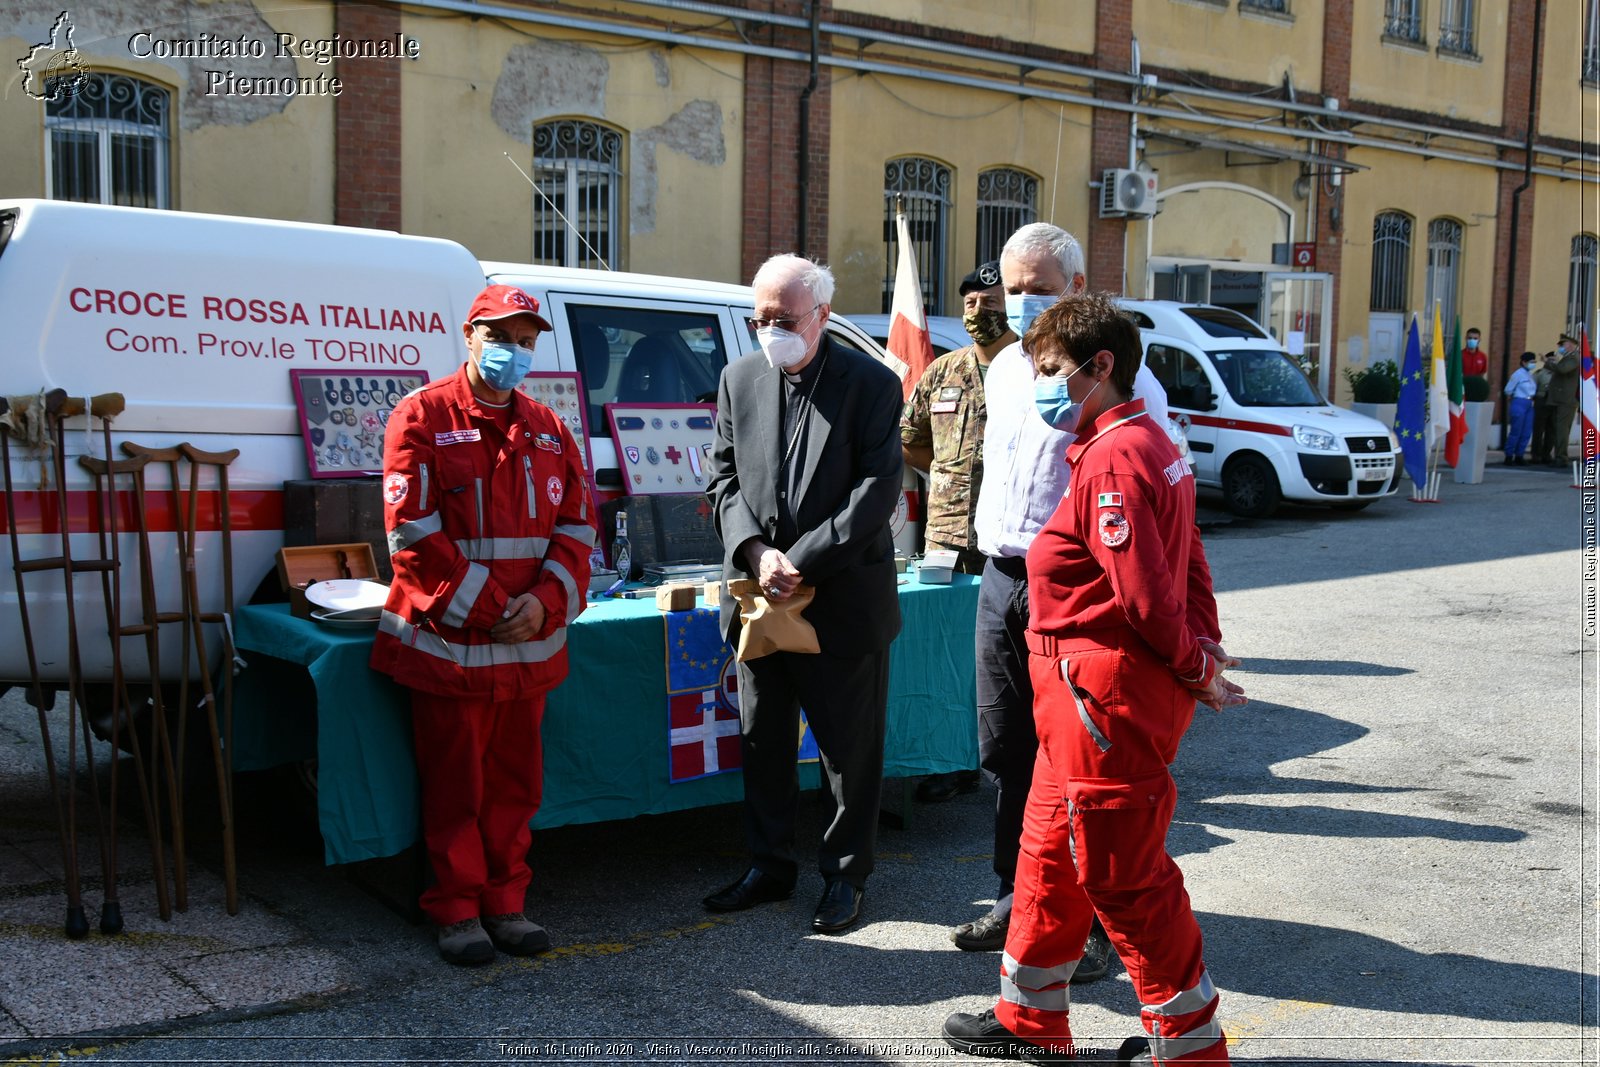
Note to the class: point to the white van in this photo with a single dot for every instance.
(1257, 428)
(197, 320)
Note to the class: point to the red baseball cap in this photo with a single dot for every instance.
(504, 302)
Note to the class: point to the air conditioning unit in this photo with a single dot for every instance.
(1127, 194)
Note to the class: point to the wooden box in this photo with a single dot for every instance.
(679, 596)
(304, 565)
(337, 511)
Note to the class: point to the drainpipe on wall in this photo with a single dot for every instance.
(805, 129)
(1516, 218)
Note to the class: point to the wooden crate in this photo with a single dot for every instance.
(304, 565)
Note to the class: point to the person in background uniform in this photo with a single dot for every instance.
(941, 435)
(1122, 641)
(805, 477)
(1474, 360)
(1520, 389)
(1544, 413)
(1563, 364)
(487, 508)
(1025, 477)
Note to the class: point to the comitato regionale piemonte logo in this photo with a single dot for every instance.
(53, 70)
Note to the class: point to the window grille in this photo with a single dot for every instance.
(1007, 201)
(578, 171)
(1391, 261)
(925, 186)
(1444, 274)
(107, 142)
(1591, 43)
(1402, 20)
(1278, 7)
(1581, 284)
(1458, 21)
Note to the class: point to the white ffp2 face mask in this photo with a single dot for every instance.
(782, 348)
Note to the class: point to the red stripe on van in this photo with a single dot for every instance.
(1239, 424)
(249, 509)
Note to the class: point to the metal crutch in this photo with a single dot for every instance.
(77, 925)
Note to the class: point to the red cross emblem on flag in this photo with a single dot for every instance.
(704, 734)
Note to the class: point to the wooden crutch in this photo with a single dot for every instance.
(107, 507)
(173, 751)
(77, 925)
(197, 619)
(110, 907)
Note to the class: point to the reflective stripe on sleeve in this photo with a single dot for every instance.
(407, 534)
(1040, 988)
(497, 548)
(467, 595)
(584, 534)
(574, 602)
(491, 654)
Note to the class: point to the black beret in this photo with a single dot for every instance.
(986, 276)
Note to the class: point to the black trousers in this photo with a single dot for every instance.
(1007, 743)
(845, 700)
(1544, 431)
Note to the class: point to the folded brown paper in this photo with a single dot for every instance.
(770, 626)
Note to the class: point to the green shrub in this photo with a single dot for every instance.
(1476, 387)
(1377, 384)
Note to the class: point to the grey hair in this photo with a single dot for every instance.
(1041, 237)
(787, 267)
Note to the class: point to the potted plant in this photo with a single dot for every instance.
(1479, 411)
(1375, 390)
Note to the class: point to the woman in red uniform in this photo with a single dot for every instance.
(1123, 639)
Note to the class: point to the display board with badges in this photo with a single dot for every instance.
(343, 416)
(559, 392)
(663, 448)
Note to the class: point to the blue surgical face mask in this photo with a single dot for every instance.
(1023, 308)
(503, 366)
(1056, 406)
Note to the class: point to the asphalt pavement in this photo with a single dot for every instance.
(1390, 850)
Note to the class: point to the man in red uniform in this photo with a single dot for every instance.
(1122, 639)
(489, 526)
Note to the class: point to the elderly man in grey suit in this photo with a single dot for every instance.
(805, 477)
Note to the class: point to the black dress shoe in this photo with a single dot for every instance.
(753, 887)
(838, 909)
(984, 1035)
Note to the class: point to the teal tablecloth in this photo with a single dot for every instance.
(605, 729)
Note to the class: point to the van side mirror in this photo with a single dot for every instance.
(1201, 398)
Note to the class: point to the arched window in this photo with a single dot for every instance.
(1391, 261)
(578, 173)
(925, 185)
(1444, 274)
(1581, 284)
(1007, 201)
(106, 141)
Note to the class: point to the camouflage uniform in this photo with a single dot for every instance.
(946, 411)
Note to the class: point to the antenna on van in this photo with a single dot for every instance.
(552, 205)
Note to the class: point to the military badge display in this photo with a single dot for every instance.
(663, 448)
(343, 415)
(559, 391)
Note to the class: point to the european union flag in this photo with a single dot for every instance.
(1411, 416)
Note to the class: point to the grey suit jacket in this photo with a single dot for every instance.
(849, 488)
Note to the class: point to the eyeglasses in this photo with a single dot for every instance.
(787, 325)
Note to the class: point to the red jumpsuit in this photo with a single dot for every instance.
(481, 505)
(1119, 596)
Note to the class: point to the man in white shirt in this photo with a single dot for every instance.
(1025, 477)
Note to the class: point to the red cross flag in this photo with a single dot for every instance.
(1589, 399)
(908, 326)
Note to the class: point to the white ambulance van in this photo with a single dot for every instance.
(197, 320)
(1257, 427)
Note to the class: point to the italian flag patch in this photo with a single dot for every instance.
(1111, 500)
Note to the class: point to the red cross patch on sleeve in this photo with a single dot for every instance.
(1114, 528)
